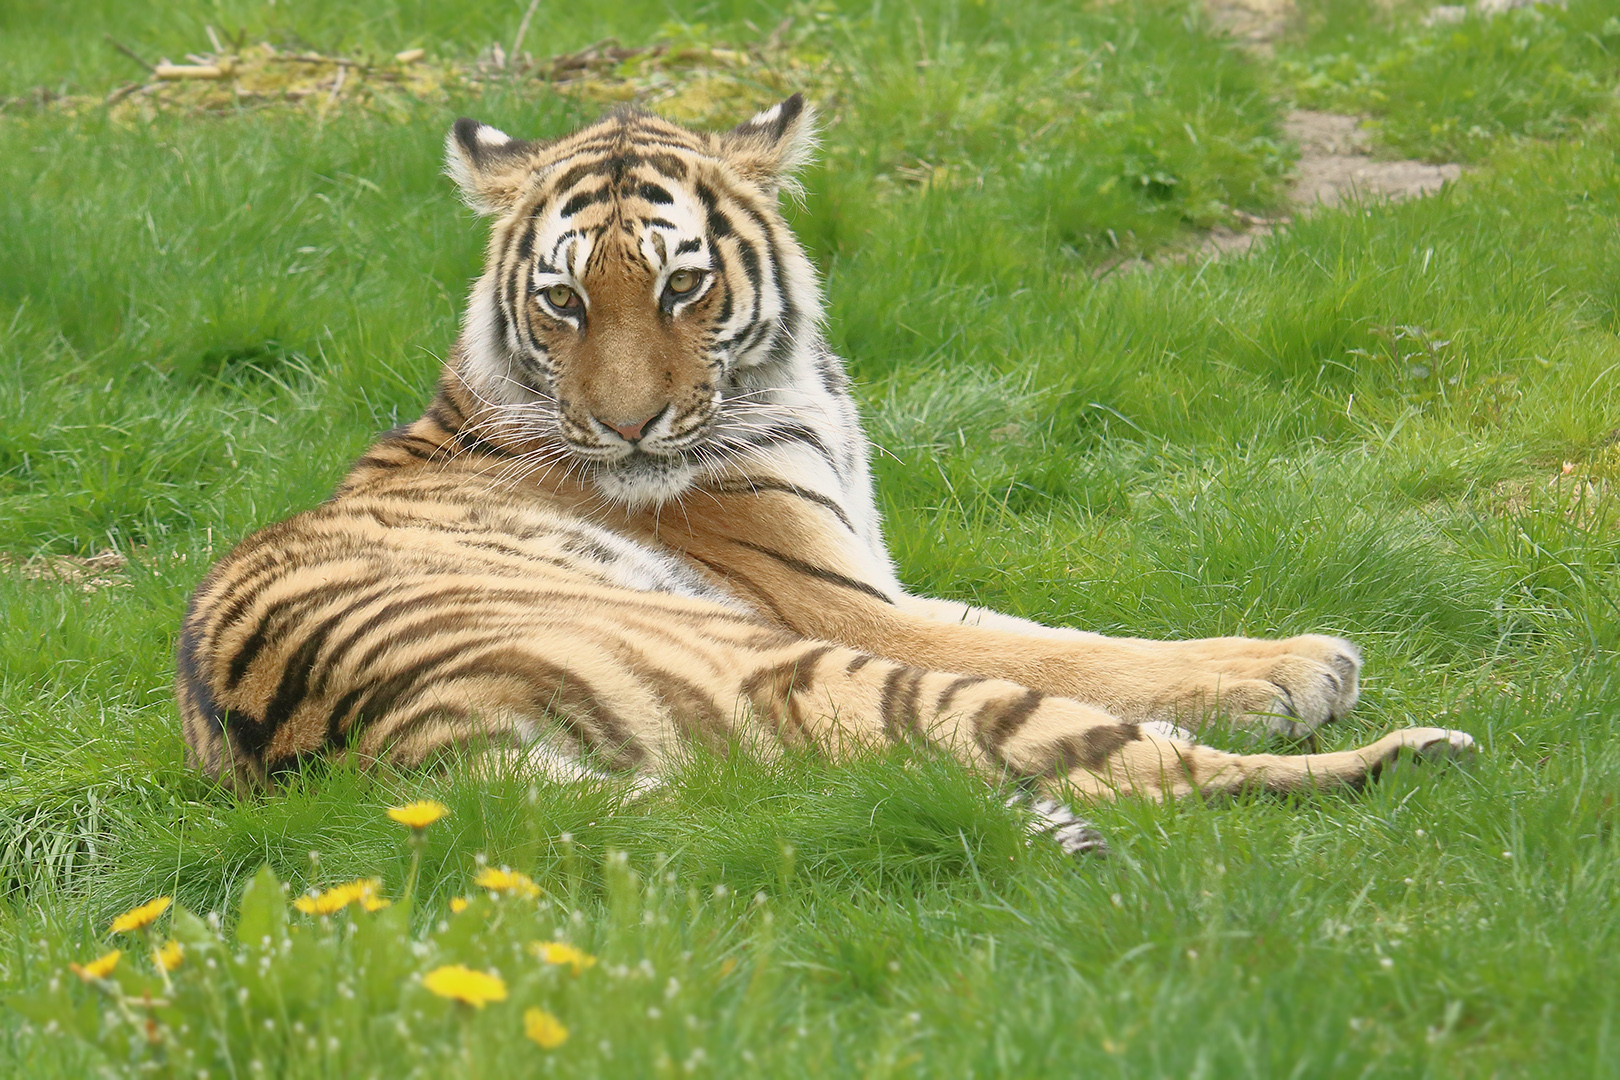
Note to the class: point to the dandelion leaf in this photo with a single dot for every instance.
(190, 931)
(57, 1006)
(382, 954)
(262, 915)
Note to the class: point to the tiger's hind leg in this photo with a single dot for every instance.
(1156, 767)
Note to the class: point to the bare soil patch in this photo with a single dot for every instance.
(1335, 165)
(90, 573)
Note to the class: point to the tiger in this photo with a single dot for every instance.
(638, 516)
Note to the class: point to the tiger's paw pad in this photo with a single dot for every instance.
(1292, 696)
(1074, 834)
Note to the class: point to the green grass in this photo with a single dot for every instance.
(1362, 427)
(1448, 91)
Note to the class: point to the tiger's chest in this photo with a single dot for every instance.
(472, 534)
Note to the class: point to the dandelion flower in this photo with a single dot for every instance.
(544, 1028)
(99, 968)
(169, 956)
(458, 982)
(504, 880)
(458, 904)
(560, 952)
(419, 814)
(362, 891)
(136, 918)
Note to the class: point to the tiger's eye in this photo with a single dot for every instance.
(561, 296)
(683, 281)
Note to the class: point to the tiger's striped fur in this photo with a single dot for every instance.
(638, 511)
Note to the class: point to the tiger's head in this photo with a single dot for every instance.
(639, 289)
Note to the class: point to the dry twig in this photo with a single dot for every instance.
(523, 28)
(129, 52)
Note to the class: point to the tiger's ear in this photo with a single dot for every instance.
(489, 166)
(772, 147)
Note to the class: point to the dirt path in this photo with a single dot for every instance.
(1335, 164)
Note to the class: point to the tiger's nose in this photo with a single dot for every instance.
(632, 432)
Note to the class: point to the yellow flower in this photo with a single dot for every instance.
(361, 890)
(135, 918)
(544, 1028)
(560, 952)
(169, 956)
(458, 904)
(504, 880)
(99, 968)
(458, 982)
(419, 814)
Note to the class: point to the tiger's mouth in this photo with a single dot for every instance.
(643, 478)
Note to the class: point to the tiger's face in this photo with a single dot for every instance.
(639, 288)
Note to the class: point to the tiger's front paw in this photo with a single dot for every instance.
(1289, 687)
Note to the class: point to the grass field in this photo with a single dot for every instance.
(1400, 423)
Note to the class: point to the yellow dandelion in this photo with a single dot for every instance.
(362, 891)
(507, 881)
(168, 957)
(560, 952)
(458, 904)
(544, 1028)
(458, 982)
(419, 814)
(99, 968)
(136, 918)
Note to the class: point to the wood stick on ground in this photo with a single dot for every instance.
(337, 85)
(188, 71)
(523, 28)
(316, 58)
(129, 52)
